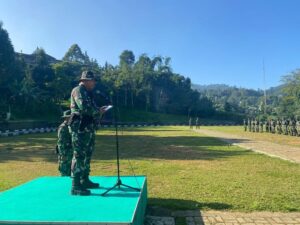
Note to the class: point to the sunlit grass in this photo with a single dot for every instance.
(185, 169)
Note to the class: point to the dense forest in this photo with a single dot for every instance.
(280, 101)
(37, 84)
(241, 100)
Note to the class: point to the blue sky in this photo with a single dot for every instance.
(213, 41)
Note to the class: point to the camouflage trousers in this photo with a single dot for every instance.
(83, 143)
(64, 160)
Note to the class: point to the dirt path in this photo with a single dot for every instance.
(272, 149)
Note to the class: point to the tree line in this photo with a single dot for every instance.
(38, 84)
(279, 102)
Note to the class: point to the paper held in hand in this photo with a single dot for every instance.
(106, 108)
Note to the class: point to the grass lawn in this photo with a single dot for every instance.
(275, 138)
(185, 170)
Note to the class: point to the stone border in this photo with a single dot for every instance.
(165, 124)
(9, 133)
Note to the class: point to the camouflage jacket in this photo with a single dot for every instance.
(82, 102)
(64, 142)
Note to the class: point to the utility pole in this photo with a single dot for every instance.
(265, 93)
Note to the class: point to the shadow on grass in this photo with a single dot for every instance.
(160, 207)
(166, 148)
(29, 148)
(41, 147)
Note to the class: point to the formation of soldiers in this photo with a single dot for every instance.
(76, 136)
(275, 126)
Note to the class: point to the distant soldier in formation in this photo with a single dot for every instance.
(267, 124)
(298, 127)
(293, 127)
(190, 123)
(249, 124)
(256, 125)
(253, 125)
(245, 125)
(261, 124)
(197, 123)
(288, 127)
(275, 126)
(285, 127)
(279, 126)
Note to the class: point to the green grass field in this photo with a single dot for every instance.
(185, 170)
(275, 138)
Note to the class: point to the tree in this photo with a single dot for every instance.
(38, 90)
(41, 72)
(227, 107)
(10, 74)
(66, 75)
(74, 54)
(290, 101)
(144, 73)
(127, 59)
(147, 83)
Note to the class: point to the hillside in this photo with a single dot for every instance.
(240, 100)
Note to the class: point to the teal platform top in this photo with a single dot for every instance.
(47, 200)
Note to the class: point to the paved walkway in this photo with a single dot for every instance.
(257, 218)
(272, 149)
(226, 218)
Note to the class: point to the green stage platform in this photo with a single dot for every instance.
(47, 200)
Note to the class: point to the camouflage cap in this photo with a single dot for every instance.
(87, 75)
(66, 114)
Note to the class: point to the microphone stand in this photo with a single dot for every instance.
(119, 182)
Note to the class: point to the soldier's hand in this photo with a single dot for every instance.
(102, 109)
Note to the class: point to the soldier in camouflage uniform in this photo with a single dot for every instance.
(245, 125)
(285, 129)
(190, 123)
(267, 124)
(261, 124)
(293, 127)
(279, 126)
(272, 126)
(197, 123)
(256, 125)
(82, 127)
(64, 146)
(298, 127)
(288, 122)
(249, 125)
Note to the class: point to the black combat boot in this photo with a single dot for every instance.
(77, 188)
(88, 184)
